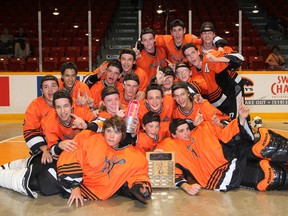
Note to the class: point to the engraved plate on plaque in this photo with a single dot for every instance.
(161, 169)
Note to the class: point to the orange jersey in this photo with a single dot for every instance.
(206, 109)
(199, 81)
(143, 78)
(165, 112)
(78, 85)
(205, 155)
(99, 169)
(55, 131)
(196, 84)
(223, 85)
(145, 143)
(104, 114)
(97, 88)
(210, 71)
(32, 131)
(149, 62)
(175, 55)
(123, 100)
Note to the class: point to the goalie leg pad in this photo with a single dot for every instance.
(272, 146)
(17, 164)
(275, 176)
(18, 180)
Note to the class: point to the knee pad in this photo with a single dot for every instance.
(275, 176)
(272, 146)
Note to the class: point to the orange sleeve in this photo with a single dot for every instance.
(84, 113)
(96, 71)
(50, 129)
(96, 92)
(159, 41)
(208, 111)
(144, 81)
(227, 133)
(32, 131)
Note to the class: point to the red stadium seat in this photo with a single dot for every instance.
(73, 51)
(256, 63)
(264, 51)
(32, 64)
(82, 63)
(49, 42)
(66, 59)
(259, 41)
(252, 33)
(85, 51)
(250, 51)
(246, 41)
(33, 42)
(50, 64)
(4, 61)
(231, 41)
(16, 64)
(45, 52)
(57, 52)
(79, 41)
(64, 42)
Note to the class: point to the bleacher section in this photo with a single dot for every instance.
(62, 40)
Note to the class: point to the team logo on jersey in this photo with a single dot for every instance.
(71, 135)
(177, 58)
(191, 149)
(157, 63)
(110, 163)
(165, 119)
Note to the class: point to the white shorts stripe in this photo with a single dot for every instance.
(228, 176)
(35, 141)
(220, 101)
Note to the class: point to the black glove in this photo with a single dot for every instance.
(219, 42)
(140, 192)
(140, 46)
(90, 79)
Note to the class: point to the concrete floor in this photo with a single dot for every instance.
(163, 202)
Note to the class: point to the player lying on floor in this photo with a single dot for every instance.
(98, 168)
(217, 158)
(37, 173)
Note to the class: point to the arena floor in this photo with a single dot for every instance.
(163, 202)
